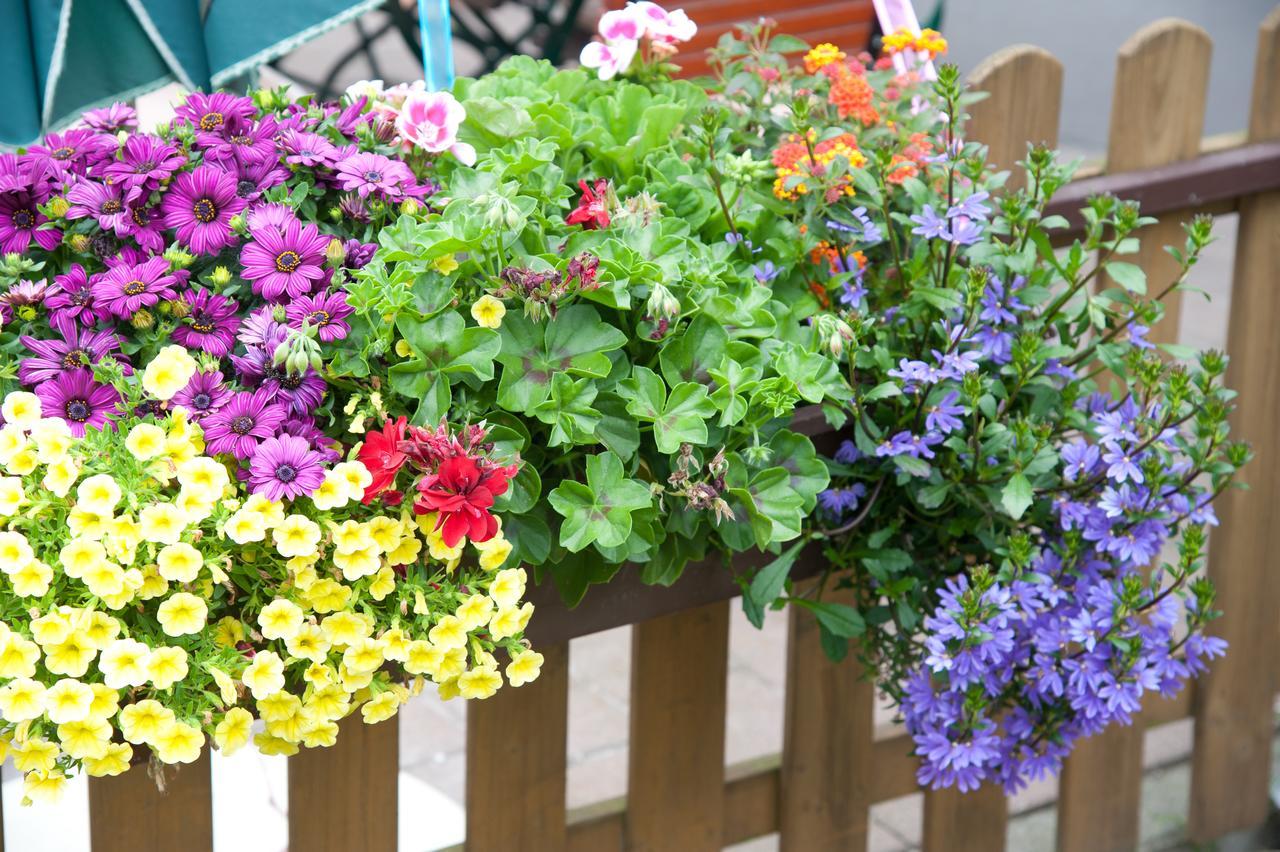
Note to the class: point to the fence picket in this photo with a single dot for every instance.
(128, 813)
(965, 822)
(675, 794)
(516, 753)
(1231, 761)
(344, 798)
(1024, 88)
(827, 745)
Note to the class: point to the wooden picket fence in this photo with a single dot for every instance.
(835, 765)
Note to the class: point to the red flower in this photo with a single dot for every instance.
(592, 211)
(381, 454)
(462, 491)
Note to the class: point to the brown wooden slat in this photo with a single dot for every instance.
(827, 745)
(1024, 84)
(965, 822)
(675, 797)
(344, 798)
(1231, 762)
(516, 746)
(128, 813)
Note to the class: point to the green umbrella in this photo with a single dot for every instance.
(61, 57)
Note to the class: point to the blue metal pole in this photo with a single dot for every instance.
(437, 44)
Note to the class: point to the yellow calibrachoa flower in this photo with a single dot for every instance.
(449, 632)
(85, 738)
(280, 619)
(22, 462)
(494, 552)
(145, 442)
(308, 643)
(15, 551)
(60, 476)
(296, 535)
(13, 440)
(35, 755)
(233, 731)
(179, 563)
(265, 675)
(524, 668)
(53, 439)
(384, 583)
(407, 551)
(344, 628)
(70, 657)
(18, 657)
(182, 613)
(78, 556)
(423, 658)
(355, 564)
(21, 699)
(32, 580)
(332, 493)
(226, 685)
(508, 587)
(166, 666)
(21, 408)
(355, 476)
(43, 786)
(480, 682)
(144, 721)
(228, 632)
(169, 372)
(106, 702)
(99, 494)
(328, 595)
(363, 655)
(204, 478)
(51, 628)
(114, 761)
(179, 743)
(488, 311)
(162, 523)
(105, 579)
(381, 708)
(12, 495)
(453, 663)
(68, 700)
(244, 527)
(475, 611)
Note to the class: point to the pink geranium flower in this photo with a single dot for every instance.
(430, 120)
(609, 60)
(661, 25)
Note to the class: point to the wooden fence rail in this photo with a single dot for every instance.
(818, 792)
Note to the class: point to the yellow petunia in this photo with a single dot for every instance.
(105, 579)
(265, 675)
(114, 761)
(308, 642)
(475, 612)
(33, 580)
(13, 440)
(60, 476)
(70, 657)
(169, 372)
(226, 685)
(99, 494)
(524, 668)
(328, 595)
(480, 682)
(179, 563)
(363, 655)
(145, 441)
(68, 700)
(330, 494)
(144, 721)
(166, 666)
(448, 632)
(18, 656)
(162, 523)
(508, 586)
(296, 536)
(15, 551)
(355, 476)
(488, 311)
(233, 731)
(86, 738)
(384, 583)
(35, 755)
(21, 699)
(494, 552)
(280, 619)
(228, 632)
(21, 408)
(124, 663)
(179, 743)
(381, 708)
(182, 613)
(244, 527)
(344, 628)
(358, 563)
(45, 787)
(12, 495)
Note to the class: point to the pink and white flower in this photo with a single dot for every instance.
(622, 30)
(661, 25)
(430, 120)
(609, 60)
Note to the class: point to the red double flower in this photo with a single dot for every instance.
(382, 456)
(593, 208)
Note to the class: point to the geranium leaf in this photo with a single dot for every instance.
(599, 511)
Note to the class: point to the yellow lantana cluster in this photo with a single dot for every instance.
(150, 602)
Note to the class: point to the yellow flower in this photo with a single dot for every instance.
(308, 642)
(21, 408)
(18, 656)
(179, 743)
(78, 556)
(114, 761)
(488, 311)
(447, 689)
(280, 619)
(351, 536)
(68, 700)
(353, 681)
(245, 527)
(508, 587)
(381, 708)
(344, 628)
(279, 706)
(15, 551)
(169, 372)
(204, 477)
(318, 675)
(505, 622)
(475, 611)
(105, 579)
(272, 513)
(162, 523)
(153, 585)
(358, 563)
(13, 440)
(85, 738)
(480, 682)
(100, 628)
(11, 495)
(355, 476)
(167, 666)
(328, 595)
(99, 494)
(363, 655)
(182, 613)
(331, 493)
(228, 632)
(226, 685)
(43, 786)
(524, 668)
(22, 462)
(385, 532)
(50, 629)
(384, 583)
(123, 535)
(445, 263)
(145, 441)
(53, 439)
(33, 580)
(232, 733)
(21, 699)
(71, 657)
(106, 701)
(449, 632)
(329, 702)
(179, 563)
(270, 745)
(320, 735)
(88, 524)
(145, 721)
(407, 552)
(60, 476)
(494, 552)
(423, 658)
(36, 755)
(265, 675)
(296, 536)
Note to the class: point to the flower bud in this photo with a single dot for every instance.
(80, 243)
(335, 253)
(178, 308)
(236, 222)
(26, 313)
(220, 276)
(178, 257)
(280, 354)
(58, 207)
(662, 303)
(142, 320)
(409, 207)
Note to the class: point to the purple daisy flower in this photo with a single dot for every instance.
(72, 299)
(306, 149)
(261, 327)
(301, 393)
(127, 287)
(284, 468)
(203, 395)
(144, 163)
(211, 113)
(111, 119)
(75, 151)
(241, 423)
(284, 263)
(76, 398)
(105, 203)
(358, 254)
(330, 450)
(270, 215)
(146, 226)
(324, 312)
(77, 348)
(253, 179)
(210, 323)
(240, 143)
(20, 223)
(366, 172)
(199, 206)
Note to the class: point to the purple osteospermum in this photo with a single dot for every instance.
(118, 116)
(76, 398)
(284, 263)
(203, 395)
(240, 143)
(199, 206)
(366, 173)
(329, 449)
(285, 467)
(358, 254)
(306, 149)
(324, 312)
(90, 199)
(77, 348)
(20, 223)
(75, 151)
(72, 299)
(253, 179)
(301, 393)
(210, 323)
(265, 215)
(211, 113)
(145, 161)
(261, 327)
(124, 289)
(241, 423)
(146, 226)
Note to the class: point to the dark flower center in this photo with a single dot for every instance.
(246, 188)
(242, 424)
(66, 152)
(205, 210)
(201, 400)
(75, 358)
(286, 473)
(135, 288)
(77, 410)
(288, 261)
(211, 121)
(291, 382)
(373, 177)
(241, 139)
(202, 324)
(144, 167)
(23, 219)
(111, 206)
(319, 318)
(141, 217)
(80, 298)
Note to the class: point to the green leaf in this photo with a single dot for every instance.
(568, 411)
(573, 573)
(839, 619)
(1016, 496)
(677, 419)
(442, 346)
(767, 584)
(1128, 275)
(574, 342)
(599, 511)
